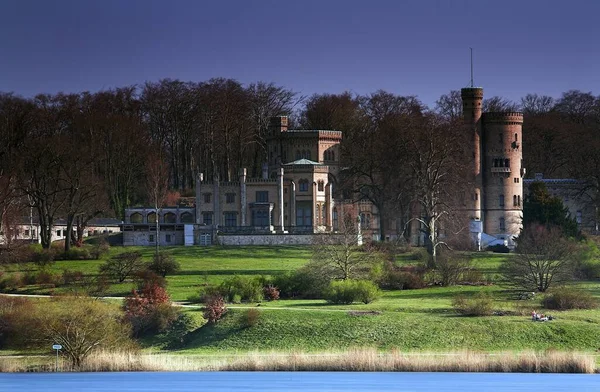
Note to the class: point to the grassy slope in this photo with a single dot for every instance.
(410, 319)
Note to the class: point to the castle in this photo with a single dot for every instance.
(294, 198)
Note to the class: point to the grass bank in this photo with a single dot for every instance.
(359, 360)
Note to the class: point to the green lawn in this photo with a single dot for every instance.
(419, 320)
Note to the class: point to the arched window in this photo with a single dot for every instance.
(320, 186)
(186, 217)
(501, 200)
(303, 185)
(515, 200)
(365, 221)
(136, 217)
(502, 224)
(169, 217)
(335, 219)
(151, 217)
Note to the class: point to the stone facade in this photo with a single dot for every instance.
(496, 200)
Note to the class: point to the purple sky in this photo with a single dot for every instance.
(406, 47)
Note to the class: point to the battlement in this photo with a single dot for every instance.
(503, 117)
(471, 93)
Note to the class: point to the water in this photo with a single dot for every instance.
(296, 382)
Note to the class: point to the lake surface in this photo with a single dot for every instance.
(296, 382)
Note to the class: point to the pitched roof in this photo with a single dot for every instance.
(303, 161)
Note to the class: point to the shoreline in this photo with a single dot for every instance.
(357, 360)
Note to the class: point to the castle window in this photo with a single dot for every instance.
(502, 225)
(207, 218)
(186, 217)
(151, 217)
(516, 138)
(320, 186)
(501, 200)
(168, 238)
(515, 200)
(519, 200)
(303, 185)
(365, 221)
(169, 217)
(262, 196)
(230, 198)
(260, 218)
(207, 197)
(507, 163)
(136, 217)
(230, 219)
(335, 219)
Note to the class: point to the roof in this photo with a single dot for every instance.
(303, 161)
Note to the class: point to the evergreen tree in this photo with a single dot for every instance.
(541, 207)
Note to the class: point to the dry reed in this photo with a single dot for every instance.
(359, 360)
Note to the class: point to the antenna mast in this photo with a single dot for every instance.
(471, 67)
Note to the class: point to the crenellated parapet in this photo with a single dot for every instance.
(503, 118)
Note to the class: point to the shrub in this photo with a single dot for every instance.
(450, 268)
(164, 264)
(565, 298)
(271, 293)
(473, 276)
(179, 328)
(149, 310)
(72, 277)
(122, 266)
(76, 253)
(480, 305)
(45, 277)
(401, 278)
(302, 283)
(214, 309)
(250, 318)
(12, 282)
(99, 248)
(43, 257)
(245, 288)
(348, 291)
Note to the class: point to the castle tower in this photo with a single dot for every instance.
(472, 98)
(503, 174)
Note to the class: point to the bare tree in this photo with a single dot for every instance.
(157, 182)
(436, 160)
(338, 256)
(543, 258)
(499, 104)
(450, 105)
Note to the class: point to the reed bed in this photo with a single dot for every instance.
(358, 360)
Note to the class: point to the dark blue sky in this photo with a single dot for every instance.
(406, 47)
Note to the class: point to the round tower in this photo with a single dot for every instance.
(472, 98)
(503, 174)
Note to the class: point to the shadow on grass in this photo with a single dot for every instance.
(230, 272)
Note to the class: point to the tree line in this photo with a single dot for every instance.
(77, 156)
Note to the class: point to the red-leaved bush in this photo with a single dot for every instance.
(271, 293)
(214, 308)
(149, 310)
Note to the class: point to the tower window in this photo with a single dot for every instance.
(501, 200)
(502, 225)
(515, 201)
(507, 163)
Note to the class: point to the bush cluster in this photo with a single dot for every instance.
(164, 264)
(479, 305)
(349, 291)
(301, 283)
(401, 278)
(241, 289)
(565, 298)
